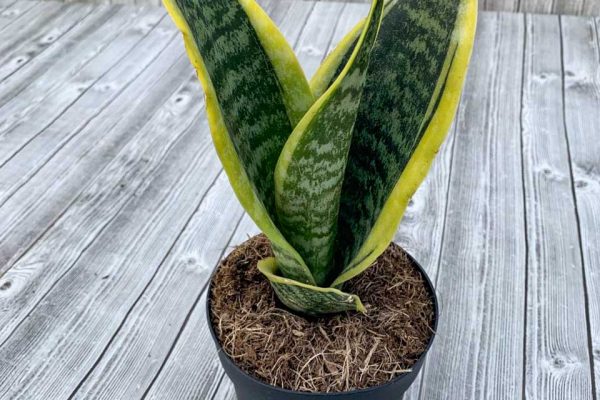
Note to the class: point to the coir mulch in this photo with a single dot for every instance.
(334, 353)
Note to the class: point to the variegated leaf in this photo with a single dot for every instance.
(413, 87)
(255, 93)
(310, 171)
(308, 299)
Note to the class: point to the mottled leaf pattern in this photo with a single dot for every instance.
(328, 180)
(422, 45)
(310, 171)
(308, 299)
(247, 100)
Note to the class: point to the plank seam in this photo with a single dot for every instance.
(35, 4)
(190, 312)
(111, 12)
(597, 36)
(143, 291)
(8, 6)
(301, 31)
(39, 168)
(221, 379)
(81, 94)
(86, 123)
(443, 235)
(337, 23)
(83, 18)
(525, 219)
(100, 231)
(577, 216)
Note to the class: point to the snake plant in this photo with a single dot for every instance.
(326, 168)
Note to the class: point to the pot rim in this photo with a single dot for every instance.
(323, 394)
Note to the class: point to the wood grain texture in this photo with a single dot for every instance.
(591, 7)
(112, 273)
(422, 228)
(98, 203)
(557, 350)
(17, 51)
(581, 73)
(180, 377)
(26, 212)
(499, 5)
(13, 11)
(27, 111)
(481, 281)
(317, 35)
(137, 351)
(575, 7)
(44, 15)
(52, 137)
(539, 6)
(114, 210)
(6, 3)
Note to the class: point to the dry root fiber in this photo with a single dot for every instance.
(330, 354)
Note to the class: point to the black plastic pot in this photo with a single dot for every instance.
(250, 388)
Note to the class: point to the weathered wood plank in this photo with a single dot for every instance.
(576, 7)
(45, 14)
(6, 3)
(317, 35)
(484, 231)
(142, 344)
(95, 295)
(18, 81)
(536, 6)
(225, 392)
(581, 72)
(291, 17)
(130, 162)
(17, 52)
(557, 353)
(591, 7)
(45, 99)
(348, 18)
(181, 376)
(27, 211)
(115, 373)
(422, 228)
(499, 5)
(13, 13)
(103, 25)
(19, 169)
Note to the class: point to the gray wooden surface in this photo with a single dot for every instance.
(114, 208)
(573, 7)
(576, 7)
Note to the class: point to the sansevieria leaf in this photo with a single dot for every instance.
(255, 93)
(310, 171)
(415, 78)
(306, 298)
